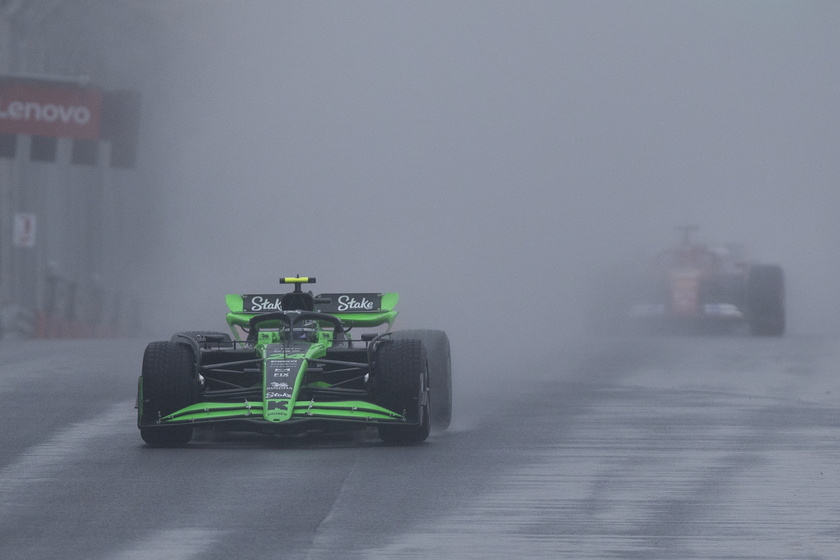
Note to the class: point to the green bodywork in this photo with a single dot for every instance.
(271, 400)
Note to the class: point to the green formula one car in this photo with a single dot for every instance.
(292, 366)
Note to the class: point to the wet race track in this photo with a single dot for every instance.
(674, 447)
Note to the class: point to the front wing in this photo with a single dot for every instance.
(250, 415)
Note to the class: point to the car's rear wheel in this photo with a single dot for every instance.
(400, 376)
(168, 383)
(439, 358)
(766, 300)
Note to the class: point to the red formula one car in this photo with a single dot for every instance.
(695, 286)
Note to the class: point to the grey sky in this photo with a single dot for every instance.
(483, 158)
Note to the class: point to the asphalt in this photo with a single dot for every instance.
(649, 447)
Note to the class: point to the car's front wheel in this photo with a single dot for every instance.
(439, 358)
(168, 383)
(401, 377)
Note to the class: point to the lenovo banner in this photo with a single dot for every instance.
(50, 110)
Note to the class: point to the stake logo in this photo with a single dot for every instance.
(350, 303)
(347, 303)
(261, 303)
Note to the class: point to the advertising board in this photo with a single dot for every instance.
(48, 110)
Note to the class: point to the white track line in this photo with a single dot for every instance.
(66, 447)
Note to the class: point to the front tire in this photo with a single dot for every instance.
(439, 358)
(401, 378)
(168, 384)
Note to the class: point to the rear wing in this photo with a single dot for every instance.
(354, 309)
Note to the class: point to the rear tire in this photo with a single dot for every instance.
(766, 300)
(401, 375)
(168, 384)
(439, 358)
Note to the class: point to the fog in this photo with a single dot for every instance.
(486, 159)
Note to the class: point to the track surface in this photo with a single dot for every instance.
(676, 447)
